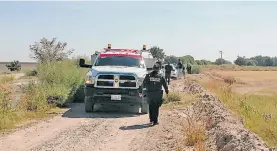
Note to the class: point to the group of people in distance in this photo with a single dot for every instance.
(180, 70)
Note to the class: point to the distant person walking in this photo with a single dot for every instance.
(184, 71)
(180, 67)
(168, 68)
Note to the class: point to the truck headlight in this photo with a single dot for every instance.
(89, 80)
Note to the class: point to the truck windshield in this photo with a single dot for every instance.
(118, 61)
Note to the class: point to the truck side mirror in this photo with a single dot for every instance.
(82, 64)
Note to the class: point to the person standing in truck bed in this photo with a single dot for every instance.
(153, 83)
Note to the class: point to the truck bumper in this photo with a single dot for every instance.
(103, 96)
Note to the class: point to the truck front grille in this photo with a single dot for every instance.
(107, 77)
(127, 84)
(124, 77)
(105, 83)
(116, 81)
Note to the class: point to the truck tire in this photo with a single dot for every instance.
(144, 108)
(89, 104)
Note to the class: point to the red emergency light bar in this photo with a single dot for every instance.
(122, 50)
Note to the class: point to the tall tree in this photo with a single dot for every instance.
(49, 50)
(171, 59)
(188, 59)
(240, 61)
(220, 61)
(14, 66)
(157, 52)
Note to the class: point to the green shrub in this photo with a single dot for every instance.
(33, 73)
(195, 69)
(60, 79)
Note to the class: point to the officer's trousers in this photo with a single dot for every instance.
(179, 73)
(189, 70)
(154, 106)
(167, 78)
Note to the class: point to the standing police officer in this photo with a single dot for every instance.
(189, 68)
(153, 83)
(180, 68)
(168, 68)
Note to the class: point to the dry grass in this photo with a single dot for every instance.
(7, 78)
(177, 100)
(249, 82)
(250, 76)
(230, 67)
(258, 110)
(195, 130)
(174, 97)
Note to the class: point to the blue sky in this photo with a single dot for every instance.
(199, 29)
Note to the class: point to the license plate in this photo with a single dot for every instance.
(115, 97)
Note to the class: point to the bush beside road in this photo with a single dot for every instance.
(58, 83)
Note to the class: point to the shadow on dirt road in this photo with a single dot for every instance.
(135, 127)
(77, 110)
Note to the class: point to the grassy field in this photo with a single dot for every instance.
(249, 94)
(24, 66)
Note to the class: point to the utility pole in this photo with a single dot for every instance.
(220, 56)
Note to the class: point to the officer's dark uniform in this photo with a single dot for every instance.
(189, 69)
(153, 83)
(168, 68)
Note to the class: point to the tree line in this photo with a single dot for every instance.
(256, 61)
(49, 50)
(158, 53)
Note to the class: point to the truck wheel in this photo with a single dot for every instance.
(89, 104)
(144, 108)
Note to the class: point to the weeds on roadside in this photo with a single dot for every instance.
(6, 78)
(194, 130)
(7, 115)
(258, 111)
(31, 73)
(173, 97)
(56, 80)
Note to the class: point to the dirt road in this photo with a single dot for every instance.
(76, 130)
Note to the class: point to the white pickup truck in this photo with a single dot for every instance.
(115, 77)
